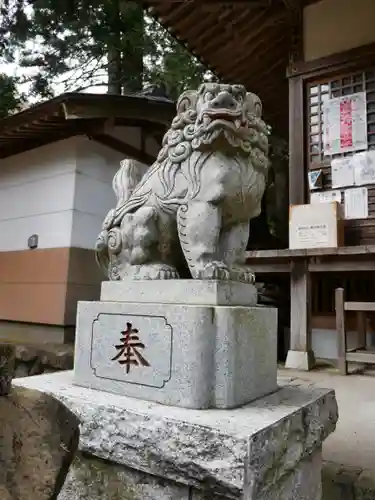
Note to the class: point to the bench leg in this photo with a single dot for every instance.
(361, 328)
(341, 333)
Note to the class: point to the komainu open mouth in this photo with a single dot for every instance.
(212, 118)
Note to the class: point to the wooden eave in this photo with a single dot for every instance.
(73, 114)
(242, 41)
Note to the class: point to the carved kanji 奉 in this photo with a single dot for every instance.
(129, 354)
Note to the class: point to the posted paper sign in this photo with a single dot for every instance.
(345, 124)
(364, 168)
(313, 235)
(325, 197)
(356, 203)
(342, 171)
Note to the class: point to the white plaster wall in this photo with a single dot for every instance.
(37, 197)
(332, 26)
(61, 192)
(93, 196)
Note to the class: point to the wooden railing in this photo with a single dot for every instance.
(362, 353)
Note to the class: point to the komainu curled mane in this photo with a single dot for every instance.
(188, 214)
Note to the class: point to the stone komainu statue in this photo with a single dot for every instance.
(188, 215)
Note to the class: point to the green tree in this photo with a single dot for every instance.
(80, 44)
(11, 99)
(171, 64)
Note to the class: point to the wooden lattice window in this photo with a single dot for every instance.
(357, 232)
(318, 93)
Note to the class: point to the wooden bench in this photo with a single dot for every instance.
(360, 354)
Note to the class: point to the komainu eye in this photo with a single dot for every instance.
(208, 96)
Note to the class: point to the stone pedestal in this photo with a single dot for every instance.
(269, 449)
(189, 343)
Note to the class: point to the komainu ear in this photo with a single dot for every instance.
(254, 105)
(186, 101)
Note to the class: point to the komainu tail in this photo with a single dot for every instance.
(124, 182)
(126, 179)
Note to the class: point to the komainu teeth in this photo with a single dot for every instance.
(238, 123)
(206, 120)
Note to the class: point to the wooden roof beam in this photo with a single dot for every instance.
(160, 4)
(293, 5)
(123, 148)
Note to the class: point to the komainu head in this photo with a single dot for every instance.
(218, 117)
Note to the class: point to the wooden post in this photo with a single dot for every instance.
(341, 331)
(300, 355)
(297, 175)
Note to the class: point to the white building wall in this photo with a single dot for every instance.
(37, 196)
(93, 196)
(61, 192)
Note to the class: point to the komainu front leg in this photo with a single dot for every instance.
(232, 244)
(199, 226)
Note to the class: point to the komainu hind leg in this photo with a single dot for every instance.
(144, 247)
(199, 230)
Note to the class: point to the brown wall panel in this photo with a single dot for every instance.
(44, 286)
(84, 281)
(33, 302)
(75, 293)
(83, 269)
(34, 266)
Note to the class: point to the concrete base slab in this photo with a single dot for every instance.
(269, 449)
(300, 360)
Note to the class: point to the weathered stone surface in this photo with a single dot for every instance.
(57, 356)
(22, 370)
(38, 439)
(364, 488)
(7, 367)
(95, 479)
(32, 359)
(197, 356)
(250, 450)
(189, 214)
(338, 482)
(302, 482)
(188, 292)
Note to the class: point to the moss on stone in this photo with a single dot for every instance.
(99, 479)
(7, 367)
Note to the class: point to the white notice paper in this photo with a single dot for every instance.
(342, 171)
(364, 168)
(345, 124)
(356, 203)
(313, 235)
(325, 197)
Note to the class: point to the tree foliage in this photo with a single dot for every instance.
(81, 44)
